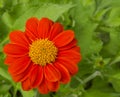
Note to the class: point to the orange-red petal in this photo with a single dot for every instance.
(69, 65)
(72, 44)
(53, 86)
(76, 48)
(43, 88)
(55, 30)
(36, 76)
(63, 38)
(44, 27)
(39, 77)
(15, 50)
(31, 28)
(23, 76)
(33, 75)
(9, 60)
(26, 85)
(65, 76)
(71, 54)
(51, 73)
(19, 65)
(19, 37)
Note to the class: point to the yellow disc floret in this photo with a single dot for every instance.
(42, 51)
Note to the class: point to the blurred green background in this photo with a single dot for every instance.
(97, 28)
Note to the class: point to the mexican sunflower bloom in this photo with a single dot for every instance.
(43, 56)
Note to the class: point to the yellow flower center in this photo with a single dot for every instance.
(42, 51)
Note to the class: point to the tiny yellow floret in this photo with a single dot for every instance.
(42, 52)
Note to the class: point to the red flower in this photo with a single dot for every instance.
(43, 56)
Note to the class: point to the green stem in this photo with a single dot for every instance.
(92, 76)
(37, 94)
(6, 39)
(15, 91)
(115, 60)
(2, 43)
(77, 78)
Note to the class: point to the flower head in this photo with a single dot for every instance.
(43, 56)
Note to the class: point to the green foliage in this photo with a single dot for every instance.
(97, 28)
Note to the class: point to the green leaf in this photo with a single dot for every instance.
(7, 20)
(4, 74)
(113, 46)
(85, 29)
(4, 30)
(85, 33)
(110, 3)
(7, 94)
(27, 93)
(93, 93)
(6, 5)
(19, 9)
(30, 93)
(52, 11)
(24, 1)
(115, 80)
(4, 88)
(1, 3)
(114, 17)
(101, 88)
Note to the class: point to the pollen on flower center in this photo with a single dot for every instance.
(42, 51)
